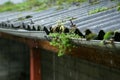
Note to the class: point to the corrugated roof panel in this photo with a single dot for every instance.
(112, 27)
(77, 13)
(83, 19)
(106, 20)
(51, 18)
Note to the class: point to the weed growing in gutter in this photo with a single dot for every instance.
(62, 42)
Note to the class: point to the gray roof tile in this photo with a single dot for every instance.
(106, 20)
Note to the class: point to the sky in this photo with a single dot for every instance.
(14, 1)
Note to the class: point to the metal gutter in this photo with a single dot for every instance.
(83, 22)
(97, 44)
(24, 33)
(41, 35)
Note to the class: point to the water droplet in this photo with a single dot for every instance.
(111, 61)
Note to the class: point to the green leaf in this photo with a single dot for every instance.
(60, 53)
(62, 41)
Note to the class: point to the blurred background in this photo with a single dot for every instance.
(21, 5)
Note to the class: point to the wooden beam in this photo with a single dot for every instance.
(35, 65)
(30, 42)
(101, 55)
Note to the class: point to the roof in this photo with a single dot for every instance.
(106, 20)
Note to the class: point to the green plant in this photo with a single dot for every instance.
(97, 10)
(60, 7)
(118, 6)
(42, 7)
(95, 2)
(62, 42)
(8, 3)
(60, 2)
(112, 0)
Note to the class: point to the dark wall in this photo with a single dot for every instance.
(14, 65)
(71, 68)
(14, 60)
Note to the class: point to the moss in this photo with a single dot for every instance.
(97, 10)
(95, 2)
